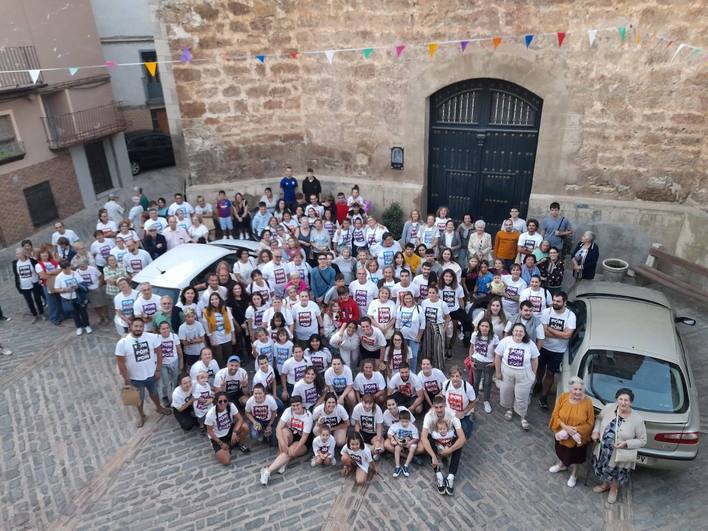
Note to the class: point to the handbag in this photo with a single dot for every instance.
(130, 396)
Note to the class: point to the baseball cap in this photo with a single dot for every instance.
(234, 358)
(150, 225)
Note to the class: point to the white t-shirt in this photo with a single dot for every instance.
(372, 385)
(263, 411)
(201, 393)
(68, 234)
(204, 295)
(433, 383)
(101, 250)
(136, 262)
(513, 288)
(184, 207)
(139, 354)
(276, 275)
(107, 228)
(529, 242)
(221, 422)
(452, 297)
(305, 319)
(244, 269)
(362, 458)
(220, 336)
(120, 254)
(373, 342)
(363, 294)
(458, 399)
(389, 420)
(270, 311)
(368, 420)
(516, 355)
(146, 308)
(410, 321)
(298, 424)
(28, 276)
(399, 290)
(382, 312)
(179, 397)
(90, 276)
(263, 290)
(338, 382)
(431, 418)
(256, 315)
(408, 388)
(199, 366)
(561, 322)
(169, 349)
(282, 353)
(265, 378)
(540, 333)
(308, 392)
(396, 358)
(264, 348)
(434, 312)
(403, 433)
(324, 449)
(198, 231)
(320, 359)
(231, 383)
(483, 349)
(192, 332)
(124, 303)
(337, 416)
(384, 255)
(63, 281)
(540, 299)
(421, 285)
(294, 370)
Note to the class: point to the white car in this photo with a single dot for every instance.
(189, 264)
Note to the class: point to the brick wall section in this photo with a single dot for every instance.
(640, 131)
(15, 219)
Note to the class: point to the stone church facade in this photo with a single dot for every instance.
(614, 130)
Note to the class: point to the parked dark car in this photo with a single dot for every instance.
(149, 149)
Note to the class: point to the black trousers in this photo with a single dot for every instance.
(35, 292)
(461, 316)
(454, 457)
(185, 419)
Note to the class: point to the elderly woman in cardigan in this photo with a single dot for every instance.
(480, 242)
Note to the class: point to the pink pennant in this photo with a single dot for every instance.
(399, 49)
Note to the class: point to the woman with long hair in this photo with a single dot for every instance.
(495, 314)
(311, 388)
(437, 317)
(218, 322)
(481, 356)
(396, 354)
(242, 218)
(454, 296)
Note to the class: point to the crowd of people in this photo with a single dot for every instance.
(337, 333)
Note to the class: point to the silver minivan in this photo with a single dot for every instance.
(627, 336)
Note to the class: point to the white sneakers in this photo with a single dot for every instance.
(572, 480)
(5, 351)
(556, 468)
(88, 329)
(265, 476)
(282, 469)
(79, 331)
(487, 407)
(525, 424)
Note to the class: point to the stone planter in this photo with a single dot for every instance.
(614, 269)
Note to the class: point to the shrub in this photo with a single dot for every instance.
(393, 218)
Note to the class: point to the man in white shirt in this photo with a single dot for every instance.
(146, 305)
(403, 287)
(212, 287)
(276, 273)
(558, 325)
(139, 358)
(156, 221)
(407, 389)
(60, 230)
(203, 208)
(175, 235)
(135, 259)
(114, 209)
(529, 240)
(307, 318)
(386, 250)
(363, 291)
(180, 204)
(518, 224)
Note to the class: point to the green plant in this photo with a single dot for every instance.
(393, 218)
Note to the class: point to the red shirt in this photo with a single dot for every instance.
(342, 211)
(349, 309)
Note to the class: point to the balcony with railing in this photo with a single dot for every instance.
(79, 127)
(14, 60)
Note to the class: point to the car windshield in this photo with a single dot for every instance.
(172, 292)
(658, 385)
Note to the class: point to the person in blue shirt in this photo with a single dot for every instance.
(529, 268)
(288, 185)
(321, 278)
(260, 219)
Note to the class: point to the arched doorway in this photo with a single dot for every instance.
(482, 148)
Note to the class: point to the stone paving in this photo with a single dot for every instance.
(73, 459)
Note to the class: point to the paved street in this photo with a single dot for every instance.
(73, 459)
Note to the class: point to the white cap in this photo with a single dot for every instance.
(150, 225)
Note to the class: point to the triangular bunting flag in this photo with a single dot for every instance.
(151, 67)
(528, 39)
(496, 41)
(399, 49)
(261, 58)
(294, 54)
(73, 70)
(432, 48)
(463, 45)
(591, 36)
(110, 64)
(186, 55)
(330, 56)
(561, 38)
(638, 40)
(34, 75)
(623, 32)
(678, 50)
(366, 52)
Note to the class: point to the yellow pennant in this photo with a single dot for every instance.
(432, 48)
(639, 37)
(151, 67)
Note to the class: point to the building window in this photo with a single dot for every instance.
(152, 84)
(40, 204)
(11, 147)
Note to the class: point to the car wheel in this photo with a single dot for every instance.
(134, 167)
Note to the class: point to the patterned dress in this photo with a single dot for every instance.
(601, 463)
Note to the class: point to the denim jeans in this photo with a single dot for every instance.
(415, 347)
(53, 306)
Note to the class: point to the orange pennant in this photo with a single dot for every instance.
(432, 48)
(151, 67)
(496, 41)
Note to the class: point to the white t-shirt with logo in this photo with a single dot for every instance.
(28, 276)
(192, 332)
(169, 349)
(540, 299)
(298, 424)
(373, 342)
(294, 370)
(139, 354)
(516, 355)
(263, 411)
(179, 397)
(276, 275)
(201, 393)
(396, 358)
(409, 321)
(452, 297)
(124, 303)
(308, 392)
(63, 281)
(266, 379)
(560, 321)
(388, 419)
(363, 294)
(337, 416)
(199, 366)
(264, 348)
(433, 383)
(90, 276)
(458, 398)
(221, 422)
(483, 349)
(529, 242)
(408, 388)
(403, 433)
(382, 312)
(321, 448)
(421, 285)
(135, 263)
(513, 288)
(372, 385)
(434, 312)
(282, 352)
(338, 382)
(146, 308)
(231, 383)
(305, 319)
(399, 290)
(361, 458)
(101, 250)
(368, 420)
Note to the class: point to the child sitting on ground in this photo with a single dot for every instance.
(323, 447)
(404, 438)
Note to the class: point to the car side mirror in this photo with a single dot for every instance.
(685, 320)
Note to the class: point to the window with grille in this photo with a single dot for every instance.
(10, 146)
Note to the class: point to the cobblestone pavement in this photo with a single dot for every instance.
(73, 459)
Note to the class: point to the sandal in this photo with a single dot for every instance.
(612, 496)
(164, 411)
(600, 488)
(508, 414)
